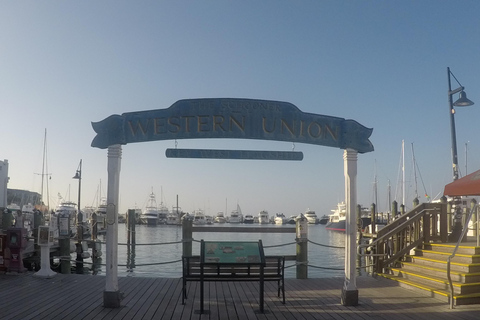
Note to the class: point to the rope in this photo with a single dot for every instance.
(150, 244)
(151, 264)
(122, 265)
(324, 245)
(326, 268)
(279, 245)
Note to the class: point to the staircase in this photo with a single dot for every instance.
(426, 269)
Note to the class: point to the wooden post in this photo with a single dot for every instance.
(416, 202)
(187, 235)
(94, 226)
(394, 211)
(65, 265)
(302, 247)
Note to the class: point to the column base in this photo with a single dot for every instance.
(349, 297)
(111, 299)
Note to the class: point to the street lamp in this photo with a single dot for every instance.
(461, 102)
(79, 263)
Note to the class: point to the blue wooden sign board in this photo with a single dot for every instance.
(234, 154)
(232, 118)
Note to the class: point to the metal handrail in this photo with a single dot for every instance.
(464, 231)
(393, 231)
(403, 223)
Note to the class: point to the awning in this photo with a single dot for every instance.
(466, 186)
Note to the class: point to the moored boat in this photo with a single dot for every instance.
(263, 217)
(220, 218)
(150, 215)
(174, 216)
(337, 221)
(280, 218)
(292, 220)
(248, 219)
(323, 220)
(199, 217)
(236, 216)
(311, 216)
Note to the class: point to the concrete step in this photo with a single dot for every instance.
(442, 264)
(461, 277)
(443, 295)
(463, 249)
(441, 255)
(437, 283)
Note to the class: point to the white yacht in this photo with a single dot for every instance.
(263, 217)
(236, 216)
(150, 215)
(248, 219)
(173, 218)
(162, 214)
(66, 214)
(220, 218)
(311, 216)
(280, 218)
(199, 217)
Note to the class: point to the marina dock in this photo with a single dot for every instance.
(72, 296)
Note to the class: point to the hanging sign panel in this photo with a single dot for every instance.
(234, 154)
(232, 118)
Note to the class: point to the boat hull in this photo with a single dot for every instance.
(341, 225)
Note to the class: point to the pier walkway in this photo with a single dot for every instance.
(72, 296)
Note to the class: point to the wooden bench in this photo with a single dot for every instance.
(273, 270)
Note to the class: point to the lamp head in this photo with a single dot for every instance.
(77, 175)
(463, 101)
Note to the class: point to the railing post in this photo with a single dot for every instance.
(443, 220)
(473, 202)
(394, 211)
(65, 264)
(449, 216)
(416, 202)
(187, 235)
(302, 247)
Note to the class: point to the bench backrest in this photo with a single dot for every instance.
(274, 267)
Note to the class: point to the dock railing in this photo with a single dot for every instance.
(426, 222)
(300, 258)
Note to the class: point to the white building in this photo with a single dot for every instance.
(3, 183)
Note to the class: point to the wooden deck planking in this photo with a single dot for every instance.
(81, 297)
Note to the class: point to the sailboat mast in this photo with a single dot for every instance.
(414, 172)
(375, 187)
(403, 172)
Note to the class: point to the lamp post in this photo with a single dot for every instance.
(461, 102)
(79, 263)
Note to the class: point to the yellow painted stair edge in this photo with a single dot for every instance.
(443, 293)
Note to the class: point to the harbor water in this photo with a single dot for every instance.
(150, 258)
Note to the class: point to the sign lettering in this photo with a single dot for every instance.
(232, 118)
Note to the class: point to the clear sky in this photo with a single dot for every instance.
(65, 64)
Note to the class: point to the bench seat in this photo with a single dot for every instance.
(273, 271)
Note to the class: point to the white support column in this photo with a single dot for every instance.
(111, 295)
(349, 291)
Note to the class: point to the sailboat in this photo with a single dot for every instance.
(236, 215)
